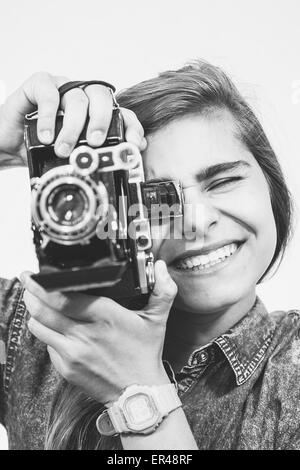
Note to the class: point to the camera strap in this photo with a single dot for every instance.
(83, 84)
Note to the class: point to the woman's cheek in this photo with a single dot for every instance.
(251, 209)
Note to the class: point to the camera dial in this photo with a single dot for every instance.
(84, 160)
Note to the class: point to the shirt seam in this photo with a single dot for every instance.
(241, 371)
(13, 341)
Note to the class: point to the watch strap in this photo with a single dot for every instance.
(167, 398)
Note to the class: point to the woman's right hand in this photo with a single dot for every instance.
(40, 92)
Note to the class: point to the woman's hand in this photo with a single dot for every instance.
(99, 345)
(41, 91)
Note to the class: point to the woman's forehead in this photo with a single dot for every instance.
(191, 145)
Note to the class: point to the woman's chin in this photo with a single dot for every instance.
(195, 306)
(206, 302)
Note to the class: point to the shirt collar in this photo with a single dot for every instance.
(246, 343)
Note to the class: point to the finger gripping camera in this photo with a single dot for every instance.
(91, 213)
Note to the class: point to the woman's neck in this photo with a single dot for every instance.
(187, 331)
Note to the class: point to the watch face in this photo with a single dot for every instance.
(140, 412)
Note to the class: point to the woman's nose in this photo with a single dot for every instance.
(199, 214)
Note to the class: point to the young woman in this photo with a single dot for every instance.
(235, 366)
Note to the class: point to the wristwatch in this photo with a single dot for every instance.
(139, 410)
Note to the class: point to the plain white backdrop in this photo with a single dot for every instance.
(256, 42)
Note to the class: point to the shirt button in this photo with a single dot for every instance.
(200, 358)
(203, 356)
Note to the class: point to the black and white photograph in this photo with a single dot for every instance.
(150, 238)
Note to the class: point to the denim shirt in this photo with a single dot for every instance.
(241, 391)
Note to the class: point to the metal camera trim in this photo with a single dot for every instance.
(133, 155)
(81, 232)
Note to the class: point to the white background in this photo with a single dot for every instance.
(256, 42)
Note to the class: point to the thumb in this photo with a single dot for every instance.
(164, 292)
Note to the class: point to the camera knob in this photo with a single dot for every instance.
(84, 160)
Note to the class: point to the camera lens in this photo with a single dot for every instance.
(67, 205)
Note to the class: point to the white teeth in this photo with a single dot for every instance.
(214, 256)
(232, 248)
(205, 261)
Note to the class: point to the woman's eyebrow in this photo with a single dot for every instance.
(214, 170)
(210, 171)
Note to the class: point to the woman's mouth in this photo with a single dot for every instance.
(208, 262)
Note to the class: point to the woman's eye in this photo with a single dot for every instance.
(225, 181)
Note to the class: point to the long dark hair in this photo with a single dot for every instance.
(197, 88)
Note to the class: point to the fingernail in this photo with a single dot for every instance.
(144, 143)
(165, 269)
(22, 278)
(46, 136)
(162, 266)
(97, 137)
(64, 150)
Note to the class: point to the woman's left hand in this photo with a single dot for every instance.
(99, 345)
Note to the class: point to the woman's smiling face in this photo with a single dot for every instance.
(226, 187)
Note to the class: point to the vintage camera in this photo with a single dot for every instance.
(77, 201)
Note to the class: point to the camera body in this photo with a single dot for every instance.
(85, 232)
